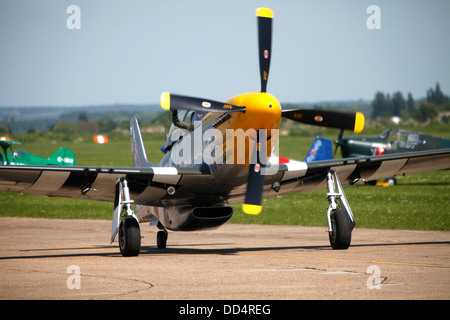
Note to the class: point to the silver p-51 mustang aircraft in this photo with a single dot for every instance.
(219, 153)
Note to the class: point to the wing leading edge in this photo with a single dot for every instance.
(147, 185)
(301, 176)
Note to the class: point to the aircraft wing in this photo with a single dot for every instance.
(297, 176)
(147, 185)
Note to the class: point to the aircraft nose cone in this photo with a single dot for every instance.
(263, 111)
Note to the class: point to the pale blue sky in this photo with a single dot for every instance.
(131, 51)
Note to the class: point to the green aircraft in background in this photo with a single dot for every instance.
(61, 157)
(390, 141)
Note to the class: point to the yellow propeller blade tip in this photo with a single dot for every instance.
(359, 122)
(251, 209)
(264, 13)
(165, 100)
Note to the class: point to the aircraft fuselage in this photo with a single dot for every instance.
(226, 144)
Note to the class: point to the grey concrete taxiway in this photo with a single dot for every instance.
(72, 259)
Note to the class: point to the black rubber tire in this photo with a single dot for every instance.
(129, 237)
(341, 237)
(392, 181)
(161, 239)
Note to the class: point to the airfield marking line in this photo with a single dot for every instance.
(349, 260)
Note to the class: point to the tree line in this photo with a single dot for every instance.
(385, 105)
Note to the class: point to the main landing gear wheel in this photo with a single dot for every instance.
(391, 181)
(129, 237)
(342, 227)
(339, 214)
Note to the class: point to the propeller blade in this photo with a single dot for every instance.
(338, 142)
(253, 196)
(255, 181)
(265, 17)
(330, 119)
(174, 102)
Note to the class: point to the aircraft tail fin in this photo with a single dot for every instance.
(62, 157)
(137, 146)
(321, 149)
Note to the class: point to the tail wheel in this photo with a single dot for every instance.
(161, 239)
(129, 237)
(342, 226)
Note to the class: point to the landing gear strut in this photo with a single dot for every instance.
(339, 214)
(128, 228)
